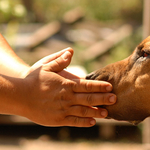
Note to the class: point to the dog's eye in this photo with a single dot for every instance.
(145, 54)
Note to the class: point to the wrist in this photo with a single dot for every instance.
(12, 95)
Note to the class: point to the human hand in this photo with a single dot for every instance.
(58, 98)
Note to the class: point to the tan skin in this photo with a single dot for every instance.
(47, 94)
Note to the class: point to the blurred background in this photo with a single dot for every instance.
(100, 32)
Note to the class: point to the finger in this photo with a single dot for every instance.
(51, 57)
(60, 63)
(79, 122)
(68, 75)
(91, 86)
(94, 99)
(54, 56)
(83, 111)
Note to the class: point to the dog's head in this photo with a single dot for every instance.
(131, 83)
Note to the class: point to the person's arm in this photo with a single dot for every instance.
(10, 63)
(48, 95)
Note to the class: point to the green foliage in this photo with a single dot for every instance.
(116, 9)
(10, 10)
(54, 9)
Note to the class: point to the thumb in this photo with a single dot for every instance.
(59, 63)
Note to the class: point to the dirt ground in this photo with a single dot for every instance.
(34, 137)
(53, 145)
(16, 137)
(39, 145)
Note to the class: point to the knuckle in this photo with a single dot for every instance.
(103, 99)
(88, 86)
(101, 87)
(63, 105)
(57, 63)
(66, 95)
(84, 111)
(90, 99)
(73, 86)
(70, 85)
(76, 121)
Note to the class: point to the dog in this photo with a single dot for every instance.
(131, 83)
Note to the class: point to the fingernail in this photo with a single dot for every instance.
(109, 88)
(112, 99)
(93, 122)
(103, 113)
(66, 55)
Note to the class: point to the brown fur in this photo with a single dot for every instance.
(131, 83)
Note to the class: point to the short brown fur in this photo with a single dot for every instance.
(131, 83)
